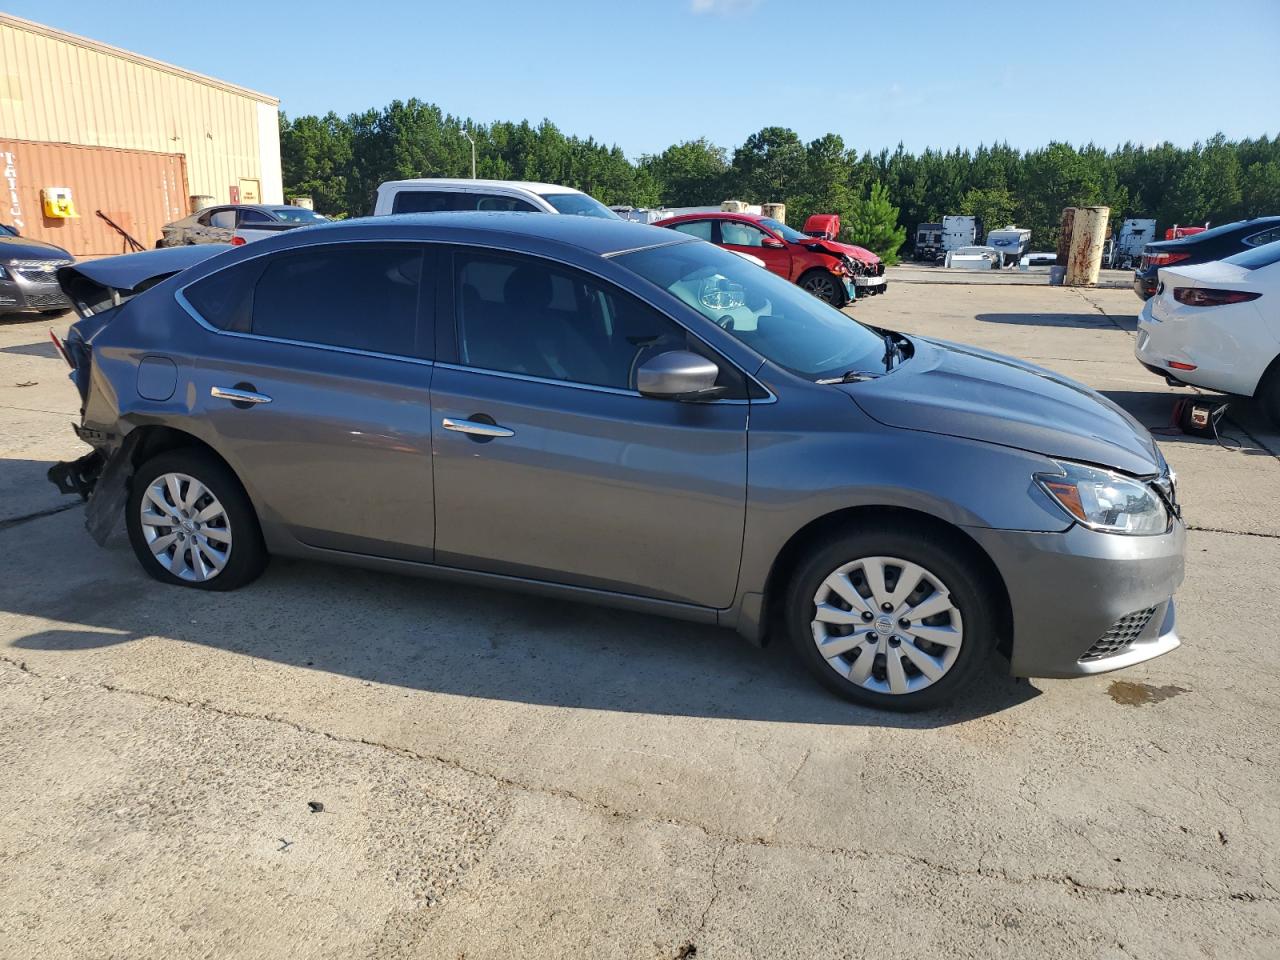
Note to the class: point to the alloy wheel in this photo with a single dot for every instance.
(185, 527)
(822, 287)
(887, 625)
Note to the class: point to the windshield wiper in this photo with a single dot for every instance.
(850, 376)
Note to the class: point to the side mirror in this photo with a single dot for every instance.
(678, 375)
(773, 243)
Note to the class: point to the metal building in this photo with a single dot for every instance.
(86, 127)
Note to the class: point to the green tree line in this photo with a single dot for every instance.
(880, 197)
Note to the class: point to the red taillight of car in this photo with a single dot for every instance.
(57, 342)
(1204, 297)
(1179, 365)
(1163, 259)
(237, 241)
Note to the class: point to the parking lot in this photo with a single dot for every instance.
(503, 776)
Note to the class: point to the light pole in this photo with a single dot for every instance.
(473, 153)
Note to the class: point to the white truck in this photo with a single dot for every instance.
(1012, 242)
(1134, 234)
(958, 232)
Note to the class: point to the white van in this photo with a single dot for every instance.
(428, 195)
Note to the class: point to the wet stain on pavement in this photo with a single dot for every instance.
(1140, 694)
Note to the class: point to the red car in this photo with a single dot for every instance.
(834, 272)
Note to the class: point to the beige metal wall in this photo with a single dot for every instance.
(59, 88)
(140, 191)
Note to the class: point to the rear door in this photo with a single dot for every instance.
(550, 466)
(317, 386)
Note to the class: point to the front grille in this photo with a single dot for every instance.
(49, 300)
(39, 271)
(1122, 633)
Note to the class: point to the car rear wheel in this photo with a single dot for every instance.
(824, 286)
(191, 524)
(893, 618)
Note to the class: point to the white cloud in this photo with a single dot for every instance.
(722, 8)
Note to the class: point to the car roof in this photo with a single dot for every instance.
(448, 182)
(592, 234)
(717, 215)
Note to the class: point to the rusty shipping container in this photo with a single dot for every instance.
(138, 189)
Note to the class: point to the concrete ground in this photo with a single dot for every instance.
(503, 776)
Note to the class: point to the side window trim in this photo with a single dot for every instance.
(435, 255)
(1253, 241)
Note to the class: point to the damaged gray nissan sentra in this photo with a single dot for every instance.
(616, 413)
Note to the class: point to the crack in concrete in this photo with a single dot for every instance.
(1235, 533)
(39, 514)
(724, 839)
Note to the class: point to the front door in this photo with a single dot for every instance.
(320, 395)
(748, 238)
(549, 465)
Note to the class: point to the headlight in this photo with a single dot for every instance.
(1106, 501)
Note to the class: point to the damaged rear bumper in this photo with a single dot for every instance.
(99, 477)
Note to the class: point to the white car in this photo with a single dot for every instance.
(433, 195)
(1217, 325)
(973, 258)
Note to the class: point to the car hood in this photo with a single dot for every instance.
(20, 248)
(847, 249)
(961, 391)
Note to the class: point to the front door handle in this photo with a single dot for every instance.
(476, 428)
(238, 395)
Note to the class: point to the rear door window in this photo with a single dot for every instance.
(223, 220)
(254, 216)
(377, 298)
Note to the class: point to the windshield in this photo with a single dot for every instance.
(786, 233)
(6, 230)
(1255, 257)
(777, 319)
(299, 215)
(579, 205)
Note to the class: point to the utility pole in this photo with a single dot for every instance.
(473, 153)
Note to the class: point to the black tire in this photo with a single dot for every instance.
(1268, 395)
(945, 558)
(824, 286)
(247, 556)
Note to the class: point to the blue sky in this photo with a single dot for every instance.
(647, 73)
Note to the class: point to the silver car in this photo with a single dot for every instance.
(615, 413)
(219, 224)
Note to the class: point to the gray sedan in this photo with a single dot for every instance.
(614, 413)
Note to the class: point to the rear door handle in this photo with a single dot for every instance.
(238, 396)
(475, 428)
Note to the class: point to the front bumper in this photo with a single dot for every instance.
(1074, 593)
(20, 291)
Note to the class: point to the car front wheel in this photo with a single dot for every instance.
(191, 524)
(891, 618)
(824, 286)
